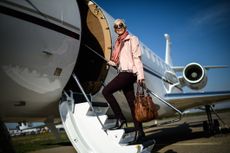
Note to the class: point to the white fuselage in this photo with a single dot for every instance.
(38, 54)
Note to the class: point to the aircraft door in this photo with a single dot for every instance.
(95, 46)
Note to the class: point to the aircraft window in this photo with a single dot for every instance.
(162, 65)
(158, 61)
(142, 49)
(165, 66)
(171, 77)
(147, 53)
(168, 68)
(153, 58)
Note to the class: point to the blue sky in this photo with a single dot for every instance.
(199, 31)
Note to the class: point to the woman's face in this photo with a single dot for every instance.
(119, 27)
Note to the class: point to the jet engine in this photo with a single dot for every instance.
(195, 76)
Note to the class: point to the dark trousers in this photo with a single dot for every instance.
(123, 81)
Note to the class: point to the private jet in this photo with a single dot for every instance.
(53, 68)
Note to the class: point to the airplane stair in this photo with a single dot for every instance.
(86, 125)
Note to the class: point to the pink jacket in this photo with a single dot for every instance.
(131, 60)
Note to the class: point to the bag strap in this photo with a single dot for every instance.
(147, 90)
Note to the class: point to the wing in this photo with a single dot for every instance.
(183, 101)
(207, 67)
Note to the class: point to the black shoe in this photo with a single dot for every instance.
(119, 124)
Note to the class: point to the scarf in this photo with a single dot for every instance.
(118, 45)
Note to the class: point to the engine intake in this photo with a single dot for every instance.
(195, 76)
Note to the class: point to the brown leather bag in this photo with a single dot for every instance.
(145, 109)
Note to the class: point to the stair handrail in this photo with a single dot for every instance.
(168, 104)
(87, 99)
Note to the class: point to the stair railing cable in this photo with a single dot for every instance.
(87, 99)
(96, 53)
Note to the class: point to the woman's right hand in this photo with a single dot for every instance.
(111, 63)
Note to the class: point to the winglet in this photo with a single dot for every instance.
(168, 59)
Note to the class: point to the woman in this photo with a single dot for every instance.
(126, 57)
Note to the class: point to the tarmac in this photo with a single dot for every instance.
(185, 136)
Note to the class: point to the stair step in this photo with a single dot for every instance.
(148, 146)
(110, 123)
(130, 129)
(100, 108)
(127, 137)
(116, 135)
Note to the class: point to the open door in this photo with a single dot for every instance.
(91, 68)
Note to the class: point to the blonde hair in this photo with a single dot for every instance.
(122, 21)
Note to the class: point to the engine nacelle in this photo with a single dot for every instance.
(195, 76)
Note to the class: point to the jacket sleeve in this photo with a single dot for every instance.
(136, 51)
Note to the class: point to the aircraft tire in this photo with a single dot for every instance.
(216, 126)
(205, 126)
(5, 140)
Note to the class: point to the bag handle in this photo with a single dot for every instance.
(140, 90)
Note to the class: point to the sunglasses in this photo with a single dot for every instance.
(119, 26)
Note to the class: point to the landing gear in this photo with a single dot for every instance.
(212, 126)
(5, 140)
